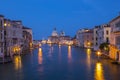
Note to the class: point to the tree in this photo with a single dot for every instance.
(104, 47)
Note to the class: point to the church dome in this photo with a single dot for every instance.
(62, 33)
(54, 33)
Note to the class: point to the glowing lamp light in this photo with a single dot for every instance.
(16, 49)
(98, 53)
(5, 24)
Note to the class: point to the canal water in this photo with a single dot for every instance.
(53, 62)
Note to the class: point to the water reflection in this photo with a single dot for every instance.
(69, 53)
(40, 56)
(99, 73)
(50, 45)
(59, 46)
(59, 52)
(88, 51)
(50, 51)
(17, 62)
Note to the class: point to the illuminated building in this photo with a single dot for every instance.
(85, 38)
(101, 35)
(54, 38)
(115, 38)
(11, 36)
(27, 38)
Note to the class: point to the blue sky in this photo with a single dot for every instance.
(67, 15)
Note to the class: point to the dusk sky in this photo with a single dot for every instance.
(67, 15)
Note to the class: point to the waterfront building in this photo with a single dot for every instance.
(115, 38)
(61, 38)
(36, 43)
(85, 38)
(8, 39)
(64, 39)
(27, 38)
(88, 38)
(17, 36)
(75, 41)
(12, 37)
(54, 38)
(55, 33)
(79, 37)
(101, 35)
(1, 34)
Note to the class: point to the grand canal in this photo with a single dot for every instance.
(59, 63)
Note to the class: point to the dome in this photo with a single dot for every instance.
(62, 33)
(54, 33)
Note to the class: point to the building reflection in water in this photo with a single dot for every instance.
(69, 54)
(59, 45)
(40, 59)
(50, 51)
(17, 62)
(99, 73)
(88, 51)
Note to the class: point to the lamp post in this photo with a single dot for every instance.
(98, 54)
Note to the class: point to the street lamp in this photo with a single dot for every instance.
(16, 50)
(5, 24)
(98, 54)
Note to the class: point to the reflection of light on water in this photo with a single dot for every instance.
(99, 72)
(59, 52)
(40, 56)
(17, 61)
(50, 51)
(88, 57)
(59, 46)
(69, 53)
(88, 51)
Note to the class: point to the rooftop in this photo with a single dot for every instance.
(115, 19)
(26, 27)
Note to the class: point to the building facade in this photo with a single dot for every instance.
(85, 38)
(17, 36)
(88, 38)
(11, 36)
(1, 34)
(115, 38)
(27, 39)
(54, 38)
(79, 37)
(101, 35)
